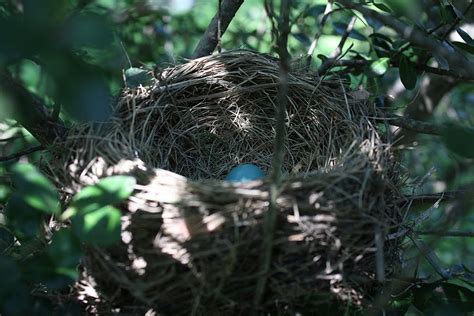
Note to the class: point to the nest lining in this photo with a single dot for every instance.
(202, 118)
(191, 243)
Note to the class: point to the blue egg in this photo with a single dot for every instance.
(245, 172)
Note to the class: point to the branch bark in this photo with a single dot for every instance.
(209, 40)
(30, 111)
(271, 216)
(22, 153)
(443, 233)
(414, 125)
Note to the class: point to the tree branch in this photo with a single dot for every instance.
(271, 216)
(456, 21)
(356, 63)
(433, 197)
(30, 111)
(330, 62)
(456, 60)
(22, 153)
(209, 40)
(413, 125)
(327, 11)
(444, 233)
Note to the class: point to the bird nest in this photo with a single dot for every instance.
(192, 243)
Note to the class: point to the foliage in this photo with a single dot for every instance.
(34, 255)
(76, 55)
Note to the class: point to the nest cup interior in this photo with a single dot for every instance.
(203, 117)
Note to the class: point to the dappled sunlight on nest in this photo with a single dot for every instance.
(191, 242)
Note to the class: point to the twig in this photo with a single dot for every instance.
(8, 139)
(429, 32)
(22, 153)
(455, 59)
(271, 16)
(329, 63)
(379, 254)
(430, 256)
(56, 112)
(279, 152)
(209, 40)
(456, 21)
(433, 197)
(444, 233)
(414, 125)
(356, 63)
(327, 11)
(219, 27)
(419, 220)
(31, 112)
(442, 72)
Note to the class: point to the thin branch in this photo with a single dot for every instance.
(22, 153)
(456, 21)
(31, 112)
(379, 254)
(219, 27)
(56, 112)
(444, 233)
(8, 139)
(329, 63)
(414, 125)
(209, 40)
(357, 63)
(455, 59)
(433, 197)
(442, 72)
(429, 32)
(327, 11)
(272, 17)
(279, 152)
(430, 256)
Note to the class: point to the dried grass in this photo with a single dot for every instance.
(191, 243)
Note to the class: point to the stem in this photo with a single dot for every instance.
(279, 153)
(219, 22)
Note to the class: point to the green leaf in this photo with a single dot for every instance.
(382, 37)
(65, 251)
(465, 47)
(100, 227)
(447, 13)
(380, 66)
(458, 294)
(423, 296)
(303, 38)
(340, 29)
(108, 191)
(9, 274)
(374, 23)
(459, 140)
(21, 218)
(6, 239)
(88, 30)
(35, 188)
(42, 269)
(399, 7)
(466, 37)
(443, 63)
(382, 7)
(135, 77)
(408, 74)
(322, 57)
